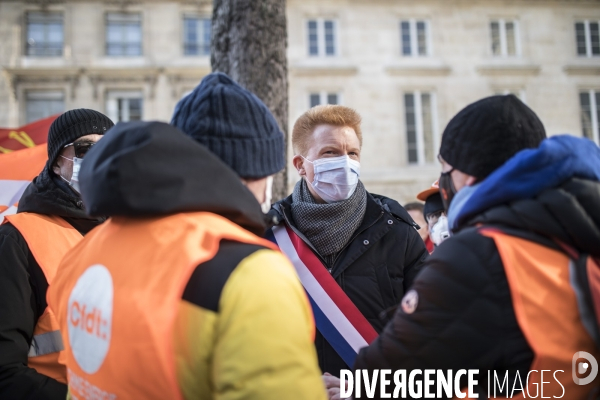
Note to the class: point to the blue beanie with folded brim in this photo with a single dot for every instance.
(234, 124)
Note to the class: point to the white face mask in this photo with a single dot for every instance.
(266, 205)
(439, 231)
(335, 178)
(74, 182)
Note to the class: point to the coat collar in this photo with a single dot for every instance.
(355, 247)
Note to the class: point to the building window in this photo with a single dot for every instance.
(590, 114)
(196, 36)
(42, 104)
(44, 34)
(414, 35)
(587, 36)
(318, 98)
(505, 38)
(322, 37)
(123, 106)
(123, 34)
(421, 139)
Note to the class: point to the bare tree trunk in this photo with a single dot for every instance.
(249, 42)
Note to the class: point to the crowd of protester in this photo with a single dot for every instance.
(147, 261)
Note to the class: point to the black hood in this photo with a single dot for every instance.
(144, 169)
(48, 195)
(569, 213)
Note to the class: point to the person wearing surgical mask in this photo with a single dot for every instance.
(437, 221)
(366, 242)
(435, 214)
(31, 244)
(69, 162)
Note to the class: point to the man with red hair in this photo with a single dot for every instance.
(355, 252)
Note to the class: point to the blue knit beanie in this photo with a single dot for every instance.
(234, 124)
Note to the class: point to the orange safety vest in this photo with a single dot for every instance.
(547, 312)
(118, 297)
(49, 238)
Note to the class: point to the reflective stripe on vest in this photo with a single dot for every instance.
(117, 298)
(46, 343)
(48, 238)
(546, 308)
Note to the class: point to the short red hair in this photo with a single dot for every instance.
(329, 114)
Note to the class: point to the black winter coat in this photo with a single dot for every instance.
(464, 318)
(376, 267)
(23, 289)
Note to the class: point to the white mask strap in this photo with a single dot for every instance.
(63, 178)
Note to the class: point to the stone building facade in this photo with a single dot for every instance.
(406, 66)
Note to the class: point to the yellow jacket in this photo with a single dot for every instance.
(252, 337)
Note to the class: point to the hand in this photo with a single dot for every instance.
(332, 385)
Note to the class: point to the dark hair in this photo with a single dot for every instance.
(415, 205)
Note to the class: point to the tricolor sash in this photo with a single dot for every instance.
(336, 316)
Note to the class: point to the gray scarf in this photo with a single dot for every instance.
(328, 227)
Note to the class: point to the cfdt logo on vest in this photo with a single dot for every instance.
(90, 317)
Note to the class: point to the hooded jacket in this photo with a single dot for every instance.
(464, 318)
(244, 327)
(23, 288)
(375, 269)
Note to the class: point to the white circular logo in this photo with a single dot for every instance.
(90, 317)
(581, 368)
(410, 301)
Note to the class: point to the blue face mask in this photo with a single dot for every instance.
(335, 178)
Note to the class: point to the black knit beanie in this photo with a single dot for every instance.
(234, 124)
(72, 125)
(487, 133)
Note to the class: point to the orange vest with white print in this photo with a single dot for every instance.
(118, 297)
(49, 238)
(547, 311)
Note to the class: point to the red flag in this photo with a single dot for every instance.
(17, 170)
(25, 136)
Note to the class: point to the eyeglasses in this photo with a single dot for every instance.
(81, 148)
